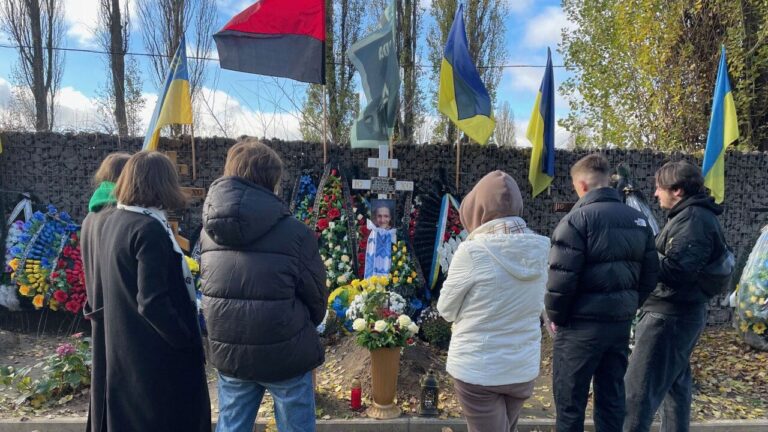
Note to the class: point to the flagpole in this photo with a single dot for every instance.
(391, 151)
(458, 160)
(194, 158)
(325, 133)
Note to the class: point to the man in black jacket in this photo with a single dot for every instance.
(603, 265)
(674, 316)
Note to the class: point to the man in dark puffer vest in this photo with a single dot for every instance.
(603, 265)
(263, 285)
(659, 373)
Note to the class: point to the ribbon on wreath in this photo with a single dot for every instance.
(442, 221)
(25, 205)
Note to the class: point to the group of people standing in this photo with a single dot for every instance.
(264, 293)
(601, 266)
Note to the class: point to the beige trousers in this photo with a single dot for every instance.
(492, 408)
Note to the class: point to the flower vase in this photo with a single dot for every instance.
(385, 367)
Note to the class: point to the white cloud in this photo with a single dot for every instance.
(519, 6)
(545, 29)
(526, 79)
(71, 98)
(77, 112)
(5, 93)
(81, 18)
(562, 136)
(222, 114)
(233, 6)
(74, 110)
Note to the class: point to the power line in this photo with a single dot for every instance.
(142, 54)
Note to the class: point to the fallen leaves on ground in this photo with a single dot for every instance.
(730, 377)
(730, 381)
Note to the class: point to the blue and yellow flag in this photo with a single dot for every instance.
(462, 95)
(175, 103)
(723, 130)
(541, 133)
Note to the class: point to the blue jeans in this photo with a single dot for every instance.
(659, 373)
(239, 402)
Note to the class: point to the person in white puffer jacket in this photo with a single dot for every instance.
(494, 293)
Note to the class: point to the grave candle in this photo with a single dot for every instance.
(356, 397)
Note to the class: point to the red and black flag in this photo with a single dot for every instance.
(277, 38)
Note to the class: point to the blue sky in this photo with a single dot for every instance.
(264, 106)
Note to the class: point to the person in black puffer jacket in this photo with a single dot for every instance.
(263, 285)
(602, 266)
(659, 373)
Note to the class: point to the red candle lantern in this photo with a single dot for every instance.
(356, 397)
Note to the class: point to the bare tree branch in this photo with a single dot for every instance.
(36, 26)
(165, 22)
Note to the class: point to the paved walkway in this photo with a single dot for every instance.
(405, 424)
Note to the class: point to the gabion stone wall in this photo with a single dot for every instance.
(56, 169)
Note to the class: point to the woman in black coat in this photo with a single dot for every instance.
(154, 375)
(101, 204)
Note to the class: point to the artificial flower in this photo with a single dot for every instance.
(194, 267)
(743, 326)
(37, 301)
(759, 328)
(404, 320)
(380, 326)
(65, 349)
(60, 296)
(413, 328)
(359, 324)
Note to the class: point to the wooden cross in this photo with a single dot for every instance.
(383, 185)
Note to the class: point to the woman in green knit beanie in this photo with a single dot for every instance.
(105, 179)
(101, 205)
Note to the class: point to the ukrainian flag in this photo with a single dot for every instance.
(462, 95)
(175, 103)
(723, 130)
(541, 133)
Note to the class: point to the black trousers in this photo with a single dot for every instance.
(659, 374)
(583, 351)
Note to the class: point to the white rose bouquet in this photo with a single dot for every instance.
(377, 317)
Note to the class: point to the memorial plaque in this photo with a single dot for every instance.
(383, 185)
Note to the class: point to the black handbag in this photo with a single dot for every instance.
(715, 277)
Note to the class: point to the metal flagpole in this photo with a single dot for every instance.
(194, 157)
(458, 161)
(325, 132)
